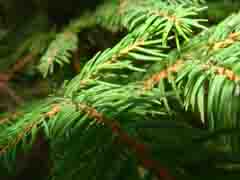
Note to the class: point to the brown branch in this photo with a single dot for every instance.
(10, 117)
(163, 74)
(55, 109)
(140, 149)
(125, 51)
(4, 88)
(21, 64)
(228, 73)
(18, 139)
(75, 63)
(6, 77)
(232, 38)
(168, 16)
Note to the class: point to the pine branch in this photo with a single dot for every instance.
(138, 148)
(165, 19)
(208, 75)
(59, 52)
(131, 48)
(89, 117)
(66, 42)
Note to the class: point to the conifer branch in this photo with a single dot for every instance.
(102, 104)
(139, 148)
(68, 42)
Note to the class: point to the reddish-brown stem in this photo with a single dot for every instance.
(5, 77)
(75, 63)
(141, 150)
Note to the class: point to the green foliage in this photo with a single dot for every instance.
(134, 110)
